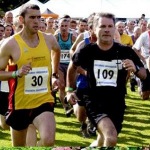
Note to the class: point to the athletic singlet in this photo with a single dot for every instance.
(31, 90)
(65, 48)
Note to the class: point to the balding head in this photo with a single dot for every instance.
(120, 26)
(8, 18)
(137, 31)
(120, 23)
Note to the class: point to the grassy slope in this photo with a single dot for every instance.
(135, 132)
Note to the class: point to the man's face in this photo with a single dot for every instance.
(82, 26)
(42, 27)
(64, 26)
(143, 25)
(9, 18)
(8, 31)
(105, 30)
(32, 20)
(131, 25)
(73, 26)
(50, 23)
(120, 27)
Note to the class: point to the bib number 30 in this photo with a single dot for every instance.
(37, 81)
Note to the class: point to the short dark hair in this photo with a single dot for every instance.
(25, 7)
(83, 20)
(66, 16)
(73, 21)
(7, 25)
(62, 20)
(1, 25)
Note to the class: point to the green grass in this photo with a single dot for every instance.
(135, 132)
(136, 125)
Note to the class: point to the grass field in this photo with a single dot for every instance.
(135, 132)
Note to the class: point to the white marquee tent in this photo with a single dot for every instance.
(41, 5)
(83, 8)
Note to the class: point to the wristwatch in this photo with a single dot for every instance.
(137, 69)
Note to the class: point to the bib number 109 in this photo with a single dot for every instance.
(105, 74)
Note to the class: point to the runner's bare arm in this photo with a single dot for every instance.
(55, 52)
(77, 41)
(5, 55)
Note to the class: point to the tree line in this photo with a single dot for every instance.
(7, 5)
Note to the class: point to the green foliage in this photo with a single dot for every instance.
(6, 5)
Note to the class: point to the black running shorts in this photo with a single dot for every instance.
(20, 119)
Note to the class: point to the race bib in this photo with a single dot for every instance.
(105, 73)
(36, 81)
(65, 56)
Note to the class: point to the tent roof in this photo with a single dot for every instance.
(41, 5)
(83, 8)
(48, 13)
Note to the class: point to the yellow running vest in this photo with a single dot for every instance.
(33, 89)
